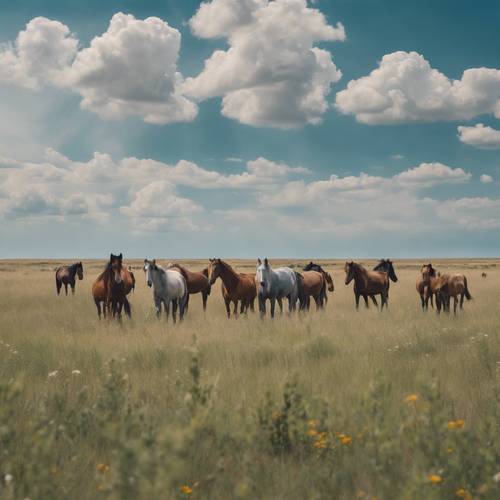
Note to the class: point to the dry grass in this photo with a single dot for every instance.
(335, 355)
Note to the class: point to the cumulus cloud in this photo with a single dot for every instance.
(41, 54)
(480, 136)
(486, 179)
(405, 88)
(272, 74)
(130, 70)
(431, 174)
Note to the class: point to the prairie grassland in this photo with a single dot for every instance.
(330, 404)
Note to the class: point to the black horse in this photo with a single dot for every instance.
(66, 275)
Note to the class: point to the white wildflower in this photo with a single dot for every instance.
(8, 478)
(496, 477)
(76, 372)
(53, 374)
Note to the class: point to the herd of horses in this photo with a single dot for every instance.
(173, 285)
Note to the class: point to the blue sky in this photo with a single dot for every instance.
(291, 146)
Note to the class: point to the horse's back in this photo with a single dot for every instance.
(312, 281)
(176, 283)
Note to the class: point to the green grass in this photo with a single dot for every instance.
(223, 406)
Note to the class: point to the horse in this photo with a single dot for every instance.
(169, 287)
(66, 275)
(456, 287)
(197, 282)
(235, 286)
(422, 285)
(483, 275)
(327, 277)
(311, 284)
(276, 284)
(112, 286)
(435, 284)
(367, 283)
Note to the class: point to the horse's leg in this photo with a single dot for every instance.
(72, 288)
(187, 302)
(462, 300)
(235, 308)
(228, 307)
(158, 306)
(273, 305)
(205, 297)
(317, 299)
(243, 305)
(374, 300)
(174, 310)
(251, 303)
(356, 296)
(166, 305)
(66, 288)
(58, 286)
(262, 306)
(98, 305)
(431, 297)
(280, 303)
(365, 297)
(455, 304)
(422, 300)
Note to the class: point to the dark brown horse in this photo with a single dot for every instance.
(423, 286)
(327, 277)
(112, 287)
(66, 275)
(367, 283)
(236, 287)
(435, 285)
(311, 284)
(197, 282)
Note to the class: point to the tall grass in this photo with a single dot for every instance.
(334, 404)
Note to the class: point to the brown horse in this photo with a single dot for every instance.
(197, 282)
(435, 285)
(327, 277)
(112, 287)
(235, 286)
(367, 283)
(311, 284)
(66, 275)
(423, 286)
(456, 287)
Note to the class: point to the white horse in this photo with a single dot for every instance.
(169, 287)
(275, 284)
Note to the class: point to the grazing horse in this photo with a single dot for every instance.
(456, 287)
(367, 283)
(276, 284)
(235, 286)
(112, 287)
(327, 277)
(423, 286)
(311, 284)
(66, 275)
(197, 282)
(169, 287)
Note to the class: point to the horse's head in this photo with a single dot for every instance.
(329, 281)
(115, 265)
(149, 267)
(386, 266)
(427, 272)
(79, 270)
(263, 275)
(349, 271)
(214, 270)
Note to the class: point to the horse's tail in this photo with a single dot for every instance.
(126, 307)
(300, 288)
(468, 296)
(133, 277)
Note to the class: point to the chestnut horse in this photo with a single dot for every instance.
(423, 286)
(436, 285)
(367, 283)
(327, 277)
(112, 287)
(456, 287)
(310, 284)
(66, 275)
(235, 286)
(197, 282)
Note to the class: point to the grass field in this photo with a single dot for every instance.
(332, 404)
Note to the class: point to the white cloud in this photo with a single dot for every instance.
(431, 174)
(405, 88)
(41, 54)
(130, 70)
(480, 136)
(486, 179)
(271, 74)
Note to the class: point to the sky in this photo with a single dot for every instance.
(249, 128)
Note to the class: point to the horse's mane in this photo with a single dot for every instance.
(106, 269)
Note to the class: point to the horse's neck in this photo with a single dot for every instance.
(229, 276)
(160, 278)
(360, 276)
(72, 269)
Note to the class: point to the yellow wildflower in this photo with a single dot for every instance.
(435, 478)
(187, 490)
(463, 493)
(313, 423)
(312, 432)
(321, 444)
(103, 468)
(456, 424)
(100, 487)
(346, 440)
(411, 398)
